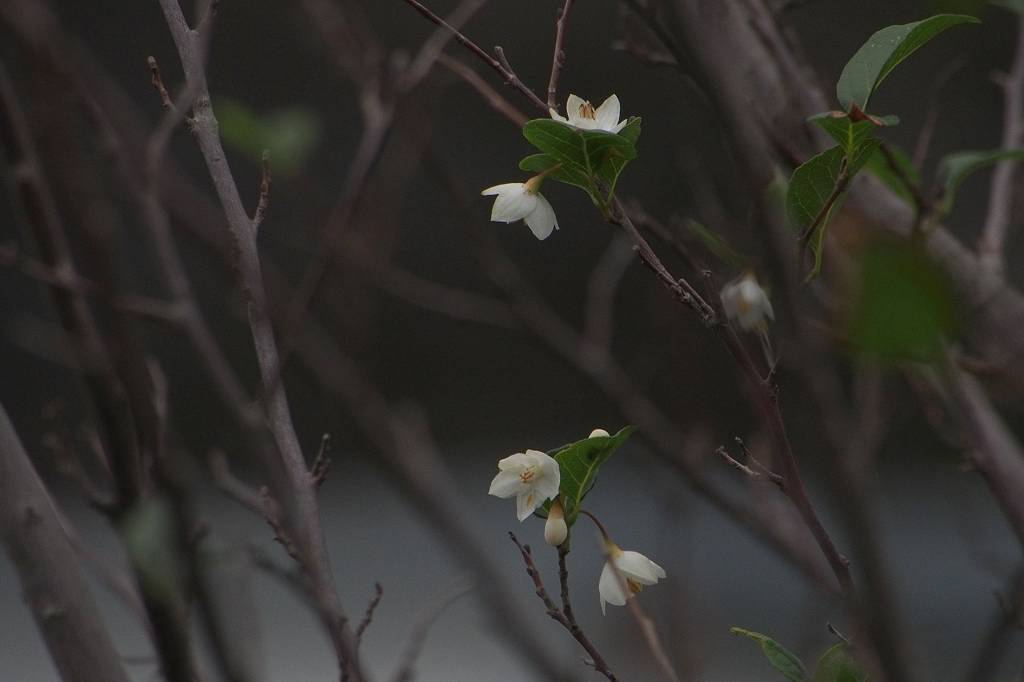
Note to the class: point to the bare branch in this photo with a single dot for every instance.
(558, 60)
(1001, 193)
(557, 615)
(55, 589)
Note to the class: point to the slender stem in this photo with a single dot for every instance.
(557, 615)
(503, 69)
(1001, 194)
(558, 59)
(765, 396)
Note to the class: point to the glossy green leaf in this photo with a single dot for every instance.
(879, 166)
(814, 182)
(783, 660)
(839, 665)
(847, 134)
(569, 173)
(596, 154)
(612, 164)
(903, 305)
(883, 52)
(957, 167)
(579, 463)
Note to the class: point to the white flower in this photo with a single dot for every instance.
(583, 115)
(532, 476)
(523, 201)
(636, 570)
(746, 302)
(599, 433)
(555, 528)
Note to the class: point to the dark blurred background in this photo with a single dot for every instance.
(490, 391)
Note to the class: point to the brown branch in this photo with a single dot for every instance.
(503, 69)
(378, 592)
(557, 615)
(995, 644)
(490, 95)
(55, 589)
(1001, 191)
(264, 199)
(298, 492)
(558, 60)
(422, 626)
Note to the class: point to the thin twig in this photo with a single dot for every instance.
(1001, 192)
(490, 95)
(558, 59)
(264, 199)
(503, 69)
(418, 636)
(378, 592)
(557, 615)
(298, 496)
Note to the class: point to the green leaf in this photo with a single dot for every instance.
(149, 535)
(290, 134)
(570, 174)
(879, 166)
(783, 660)
(579, 463)
(611, 166)
(956, 168)
(883, 52)
(903, 305)
(597, 154)
(849, 135)
(814, 182)
(839, 665)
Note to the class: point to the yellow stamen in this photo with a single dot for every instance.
(634, 586)
(587, 111)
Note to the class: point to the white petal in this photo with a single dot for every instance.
(620, 126)
(572, 110)
(503, 189)
(541, 220)
(609, 589)
(512, 206)
(517, 462)
(506, 484)
(636, 566)
(557, 116)
(526, 503)
(607, 114)
(549, 478)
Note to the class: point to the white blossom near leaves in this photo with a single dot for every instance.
(555, 528)
(747, 303)
(581, 114)
(636, 570)
(599, 433)
(523, 201)
(532, 477)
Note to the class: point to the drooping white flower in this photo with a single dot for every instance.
(582, 114)
(523, 201)
(532, 476)
(555, 528)
(636, 570)
(747, 303)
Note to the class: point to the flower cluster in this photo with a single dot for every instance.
(523, 200)
(534, 477)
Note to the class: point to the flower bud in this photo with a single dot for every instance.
(598, 433)
(555, 528)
